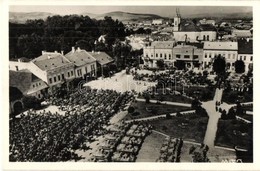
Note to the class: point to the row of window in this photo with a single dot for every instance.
(36, 85)
(241, 58)
(60, 77)
(224, 55)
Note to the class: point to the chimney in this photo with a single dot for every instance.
(62, 52)
(55, 51)
(92, 51)
(73, 49)
(19, 60)
(98, 52)
(43, 52)
(78, 49)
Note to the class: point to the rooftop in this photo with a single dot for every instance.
(101, 57)
(49, 61)
(80, 57)
(220, 46)
(23, 79)
(163, 44)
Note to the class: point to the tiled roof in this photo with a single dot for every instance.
(23, 80)
(207, 27)
(49, 61)
(80, 57)
(220, 46)
(101, 57)
(163, 44)
(245, 47)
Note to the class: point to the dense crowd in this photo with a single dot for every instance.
(53, 137)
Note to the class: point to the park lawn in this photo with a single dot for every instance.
(234, 133)
(231, 97)
(156, 109)
(189, 127)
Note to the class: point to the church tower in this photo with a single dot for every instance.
(177, 20)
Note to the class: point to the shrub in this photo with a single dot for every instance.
(131, 109)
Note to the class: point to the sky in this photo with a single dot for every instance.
(164, 11)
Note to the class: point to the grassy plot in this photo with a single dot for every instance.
(143, 109)
(189, 127)
(234, 133)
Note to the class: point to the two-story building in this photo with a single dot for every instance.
(228, 50)
(245, 52)
(171, 54)
(85, 64)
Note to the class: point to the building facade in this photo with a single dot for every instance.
(228, 50)
(245, 53)
(85, 64)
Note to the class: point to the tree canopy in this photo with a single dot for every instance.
(61, 33)
(219, 64)
(239, 66)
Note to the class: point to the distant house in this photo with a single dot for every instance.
(242, 33)
(27, 83)
(157, 22)
(245, 52)
(85, 64)
(103, 60)
(205, 21)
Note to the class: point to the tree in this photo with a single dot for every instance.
(160, 63)
(239, 66)
(219, 65)
(131, 109)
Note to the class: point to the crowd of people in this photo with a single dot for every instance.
(48, 136)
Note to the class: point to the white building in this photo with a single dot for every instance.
(85, 64)
(51, 67)
(229, 50)
(205, 21)
(245, 52)
(170, 52)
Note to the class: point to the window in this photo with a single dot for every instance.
(68, 74)
(251, 58)
(62, 76)
(55, 79)
(39, 83)
(204, 37)
(244, 58)
(207, 37)
(210, 55)
(152, 55)
(50, 80)
(71, 73)
(228, 56)
(186, 56)
(147, 55)
(170, 56)
(33, 85)
(156, 55)
(195, 57)
(59, 77)
(240, 57)
(160, 55)
(178, 56)
(206, 55)
(165, 55)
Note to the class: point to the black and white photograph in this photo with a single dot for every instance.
(130, 83)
